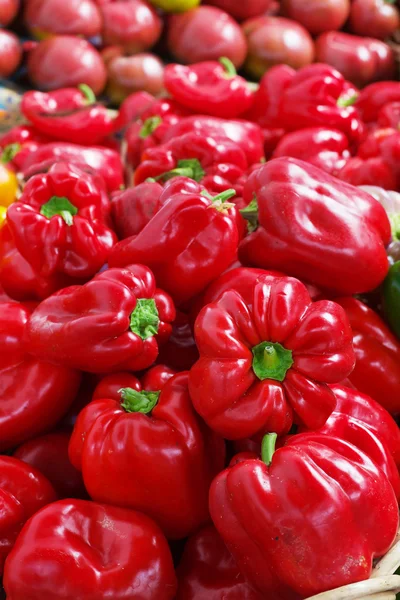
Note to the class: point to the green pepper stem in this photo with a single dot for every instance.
(90, 97)
(144, 319)
(59, 205)
(134, 401)
(271, 361)
(268, 447)
(229, 67)
(345, 101)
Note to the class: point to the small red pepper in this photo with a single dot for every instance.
(153, 380)
(18, 143)
(327, 149)
(90, 551)
(176, 244)
(368, 171)
(168, 475)
(24, 491)
(142, 135)
(377, 369)
(265, 364)
(340, 246)
(49, 455)
(293, 519)
(18, 278)
(69, 115)
(133, 208)
(58, 223)
(95, 159)
(216, 162)
(112, 323)
(374, 97)
(207, 571)
(210, 88)
(34, 394)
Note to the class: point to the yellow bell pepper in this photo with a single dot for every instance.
(3, 214)
(175, 6)
(8, 186)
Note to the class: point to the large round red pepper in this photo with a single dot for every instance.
(261, 365)
(313, 226)
(210, 88)
(69, 114)
(58, 223)
(24, 490)
(167, 475)
(81, 550)
(377, 369)
(307, 518)
(112, 323)
(34, 395)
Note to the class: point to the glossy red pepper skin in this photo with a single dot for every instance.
(153, 380)
(143, 135)
(49, 455)
(327, 149)
(259, 511)
(223, 161)
(103, 326)
(342, 248)
(18, 278)
(133, 208)
(140, 106)
(67, 115)
(68, 543)
(377, 369)
(24, 491)
(95, 159)
(24, 414)
(18, 143)
(368, 171)
(370, 438)
(208, 88)
(247, 135)
(78, 248)
(267, 99)
(236, 387)
(389, 115)
(207, 571)
(175, 243)
(168, 476)
(374, 97)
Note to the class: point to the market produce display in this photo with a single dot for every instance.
(199, 300)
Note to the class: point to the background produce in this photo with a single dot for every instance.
(199, 298)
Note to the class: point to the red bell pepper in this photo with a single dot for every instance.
(306, 518)
(176, 243)
(216, 162)
(112, 323)
(368, 171)
(94, 159)
(327, 149)
(69, 115)
(248, 136)
(153, 380)
(142, 135)
(339, 246)
(34, 394)
(377, 369)
(264, 364)
(90, 551)
(18, 278)
(58, 223)
(133, 208)
(24, 491)
(374, 97)
(49, 455)
(168, 474)
(267, 99)
(210, 88)
(366, 430)
(207, 571)
(18, 143)
(389, 115)
(141, 106)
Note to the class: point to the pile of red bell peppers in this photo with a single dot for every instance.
(199, 325)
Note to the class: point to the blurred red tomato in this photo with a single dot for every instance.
(375, 18)
(8, 11)
(66, 61)
(132, 24)
(242, 10)
(206, 33)
(75, 17)
(10, 53)
(360, 60)
(317, 16)
(128, 74)
(275, 40)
